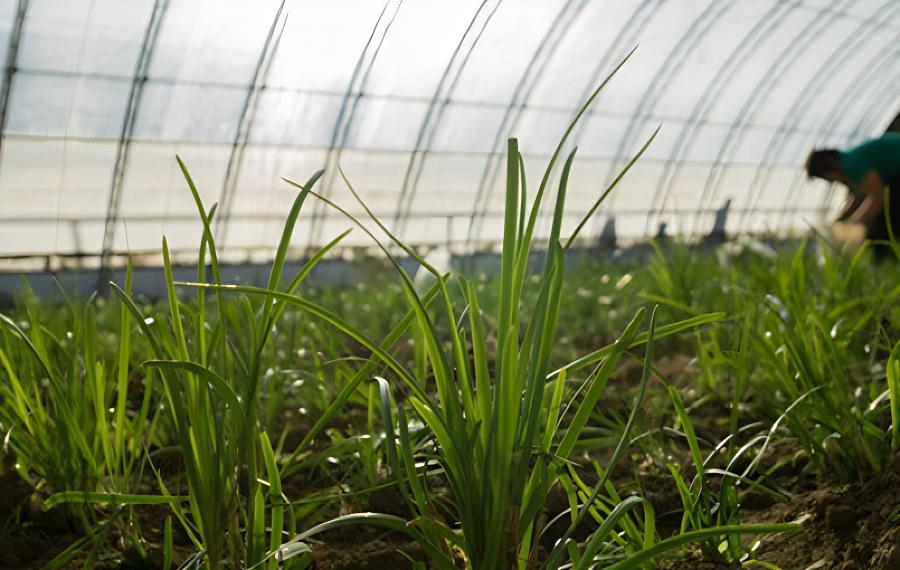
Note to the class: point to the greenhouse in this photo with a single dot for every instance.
(482, 284)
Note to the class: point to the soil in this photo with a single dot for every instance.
(27, 538)
(850, 527)
(31, 537)
(845, 526)
(366, 551)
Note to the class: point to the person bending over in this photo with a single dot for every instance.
(866, 169)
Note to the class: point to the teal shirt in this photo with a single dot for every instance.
(881, 155)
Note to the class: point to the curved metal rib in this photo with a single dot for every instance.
(444, 91)
(668, 71)
(521, 94)
(883, 96)
(687, 136)
(806, 97)
(627, 37)
(142, 67)
(624, 41)
(245, 123)
(771, 77)
(12, 59)
(354, 93)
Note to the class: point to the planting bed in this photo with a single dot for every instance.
(734, 405)
(849, 515)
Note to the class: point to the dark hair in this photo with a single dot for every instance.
(823, 162)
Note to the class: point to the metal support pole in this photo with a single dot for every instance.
(442, 95)
(245, 123)
(521, 94)
(687, 136)
(354, 93)
(12, 58)
(775, 72)
(142, 67)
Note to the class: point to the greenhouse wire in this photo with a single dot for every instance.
(355, 90)
(749, 43)
(432, 120)
(12, 59)
(524, 87)
(774, 73)
(245, 123)
(142, 67)
(807, 96)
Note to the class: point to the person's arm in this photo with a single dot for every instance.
(850, 205)
(872, 188)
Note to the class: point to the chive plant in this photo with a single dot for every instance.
(212, 386)
(893, 380)
(63, 408)
(500, 437)
(500, 441)
(816, 327)
(234, 509)
(478, 403)
(814, 351)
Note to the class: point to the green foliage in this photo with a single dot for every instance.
(473, 402)
(64, 401)
(813, 328)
